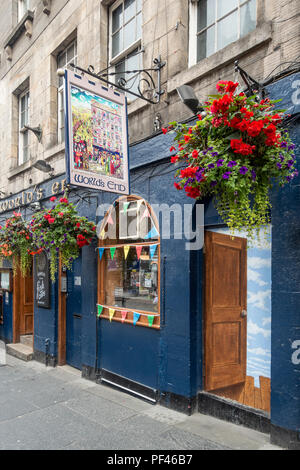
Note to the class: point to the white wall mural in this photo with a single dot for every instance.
(258, 304)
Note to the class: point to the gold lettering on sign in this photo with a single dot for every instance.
(55, 188)
(39, 193)
(17, 202)
(29, 197)
(64, 185)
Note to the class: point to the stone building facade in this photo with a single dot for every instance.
(35, 33)
(199, 41)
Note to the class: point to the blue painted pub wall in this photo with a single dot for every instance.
(170, 359)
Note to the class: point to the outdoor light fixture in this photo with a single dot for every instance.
(188, 97)
(36, 130)
(43, 166)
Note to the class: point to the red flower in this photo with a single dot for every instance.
(186, 138)
(78, 225)
(195, 153)
(172, 149)
(64, 200)
(164, 131)
(174, 159)
(51, 220)
(177, 186)
(189, 172)
(255, 128)
(240, 147)
(192, 192)
(243, 125)
(53, 198)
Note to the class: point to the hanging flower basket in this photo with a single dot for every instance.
(16, 243)
(61, 231)
(235, 153)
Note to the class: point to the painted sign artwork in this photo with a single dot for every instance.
(97, 150)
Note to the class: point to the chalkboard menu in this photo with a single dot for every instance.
(42, 280)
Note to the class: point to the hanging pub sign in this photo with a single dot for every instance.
(42, 280)
(97, 154)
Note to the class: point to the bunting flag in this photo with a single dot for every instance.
(124, 315)
(102, 234)
(152, 249)
(139, 250)
(126, 250)
(100, 310)
(111, 313)
(110, 220)
(152, 234)
(146, 214)
(101, 251)
(136, 317)
(125, 206)
(112, 251)
(150, 320)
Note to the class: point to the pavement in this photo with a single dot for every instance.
(44, 408)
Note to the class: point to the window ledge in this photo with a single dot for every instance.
(229, 54)
(13, 172)
(18, 30)
(54, 151)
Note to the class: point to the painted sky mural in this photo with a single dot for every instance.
(258, 305)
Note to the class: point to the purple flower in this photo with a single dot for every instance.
(291, 147)
(220, 162)
(214, 154)
(211, 166)
(279, 165)
(213, 183)
(199, 175)
(226, 175)
(243, 170)
(283, 145)
(231, 164)
(253, 174)
(290, 163)
(289, 178)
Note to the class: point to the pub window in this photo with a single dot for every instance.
(216, 23)
(129, 264)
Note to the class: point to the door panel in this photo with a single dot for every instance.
(26, 317)
(74, 315)
(225, 304)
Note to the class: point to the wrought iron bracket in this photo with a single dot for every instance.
(148, 90)
(253, 85)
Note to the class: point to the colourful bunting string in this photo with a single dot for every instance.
(111, 313)
(102, 234)
(101, 251)
(136, 317)
(150, 320)
(152, 234)
(112, 251)
(126, 250)
(110, 220)
(152, 250)
(124, 315)
(139, 250)
(100, 310)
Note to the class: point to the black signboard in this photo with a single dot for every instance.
(42, 280)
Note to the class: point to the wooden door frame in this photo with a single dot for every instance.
(17, 306)
(62, 319)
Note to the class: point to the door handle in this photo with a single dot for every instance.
(243, 313)
(76, 315)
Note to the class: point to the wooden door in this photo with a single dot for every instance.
(225, 310)
(26, 297)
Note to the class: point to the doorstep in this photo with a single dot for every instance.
(20, 351)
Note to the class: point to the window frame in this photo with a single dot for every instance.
(143, 321)
(23, 7)
(60, 91)
(194, 33)
(124, 54)
(22, 132)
